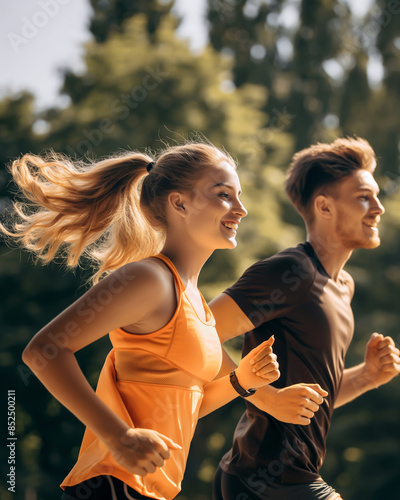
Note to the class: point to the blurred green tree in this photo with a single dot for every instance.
(109, 15)
(283, 45)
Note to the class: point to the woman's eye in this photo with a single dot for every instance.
(224, 195)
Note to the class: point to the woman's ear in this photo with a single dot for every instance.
(177, 203)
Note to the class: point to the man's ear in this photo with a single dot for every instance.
(323, 206)
(177, 203)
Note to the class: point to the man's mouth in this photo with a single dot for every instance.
(371, 224)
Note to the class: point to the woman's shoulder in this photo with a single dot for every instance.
(142, 291)
(150, 275)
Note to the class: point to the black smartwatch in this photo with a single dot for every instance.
(238, 388)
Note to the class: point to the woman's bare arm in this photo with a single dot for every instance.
(127, 296)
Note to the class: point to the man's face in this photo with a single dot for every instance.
(358, 211)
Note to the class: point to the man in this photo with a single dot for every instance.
(302, 296)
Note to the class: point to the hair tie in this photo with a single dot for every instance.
(150, 166)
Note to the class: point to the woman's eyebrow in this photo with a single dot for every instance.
(229, 186)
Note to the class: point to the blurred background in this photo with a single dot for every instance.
(262, 78)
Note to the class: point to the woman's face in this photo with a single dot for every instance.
(213, 209)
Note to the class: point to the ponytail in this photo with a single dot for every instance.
(91, 209)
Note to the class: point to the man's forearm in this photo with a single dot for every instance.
(355, 382)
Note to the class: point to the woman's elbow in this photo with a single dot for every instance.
(31, 355)
(37, 355)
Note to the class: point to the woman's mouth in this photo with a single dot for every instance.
(232, 226)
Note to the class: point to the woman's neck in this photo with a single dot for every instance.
(187, 259)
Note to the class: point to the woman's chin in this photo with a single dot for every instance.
(226, 243)
(231, 243)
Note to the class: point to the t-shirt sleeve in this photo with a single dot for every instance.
(270, 288)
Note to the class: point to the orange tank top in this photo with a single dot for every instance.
(155, 381)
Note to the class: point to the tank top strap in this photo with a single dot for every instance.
(170, 265)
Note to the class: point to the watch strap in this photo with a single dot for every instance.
(238, 388)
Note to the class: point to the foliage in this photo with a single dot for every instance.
(109, 15)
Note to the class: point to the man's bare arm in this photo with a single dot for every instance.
(381, 364)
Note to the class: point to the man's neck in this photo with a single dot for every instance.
(332, 255)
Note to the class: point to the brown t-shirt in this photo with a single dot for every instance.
(291, 296)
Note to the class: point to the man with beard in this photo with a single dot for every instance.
(302, 296)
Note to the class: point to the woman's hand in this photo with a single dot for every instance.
(259, 367)
(141, 451)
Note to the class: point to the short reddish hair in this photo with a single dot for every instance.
(317, 169)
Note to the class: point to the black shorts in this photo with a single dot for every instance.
(229, 487)
(101, 488)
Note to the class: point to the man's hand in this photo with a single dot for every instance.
(295, 404)
(382, 361)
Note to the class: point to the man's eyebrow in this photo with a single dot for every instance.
(369, 188)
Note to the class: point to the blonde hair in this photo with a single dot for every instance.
(112, 211)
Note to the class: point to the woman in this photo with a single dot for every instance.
(157, 379)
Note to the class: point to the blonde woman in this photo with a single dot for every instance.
(150, 225)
